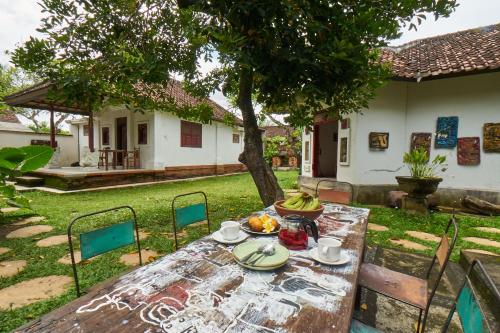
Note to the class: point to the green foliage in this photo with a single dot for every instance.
(16, 161)
(273, 147)
(417, 161)
(302, 57)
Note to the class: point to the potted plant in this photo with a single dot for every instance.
(423, 178)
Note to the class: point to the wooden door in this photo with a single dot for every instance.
(121, 138)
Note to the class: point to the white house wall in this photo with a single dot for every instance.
(217, 144)
(402, 108)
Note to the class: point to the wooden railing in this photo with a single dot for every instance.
(129, 159)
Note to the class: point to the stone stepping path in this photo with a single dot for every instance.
(143, 234)
(33, 219)
(409, 244)
(66, 260)
(29, 231)
(4, 250)
(423, 236)
(53, 241)
(488, 229)
(34, 290)
(377, 227)
(132, 259)
(482, 252)
(11, 268)
(482, 241)
(9, 209)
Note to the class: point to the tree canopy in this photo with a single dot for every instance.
(300, 56)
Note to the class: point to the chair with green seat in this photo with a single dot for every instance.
(102, 240)
(190, 214)
(470, 311)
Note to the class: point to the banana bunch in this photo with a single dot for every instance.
(302, 201)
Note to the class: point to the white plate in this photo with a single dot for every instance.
(344, 258)
(217, 236)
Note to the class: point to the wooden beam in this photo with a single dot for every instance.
(52, 129)
(91, 131)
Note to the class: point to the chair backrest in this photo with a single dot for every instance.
(442, 257)
(467, 305)
(102, 240)
(333, 195)
(190, 214)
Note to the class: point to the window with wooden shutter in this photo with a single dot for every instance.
(142, 134)
(105, 136)
(191, 134)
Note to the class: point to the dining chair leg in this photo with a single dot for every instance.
(418, 322)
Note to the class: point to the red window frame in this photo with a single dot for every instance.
(191, 134)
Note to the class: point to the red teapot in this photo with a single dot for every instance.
(293, 232)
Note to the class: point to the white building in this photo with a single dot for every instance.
(116, 145)
(454, 75)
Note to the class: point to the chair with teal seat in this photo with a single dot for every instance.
(190, 214)
(470, 311)
(105, 239)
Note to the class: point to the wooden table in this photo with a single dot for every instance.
(201, 289)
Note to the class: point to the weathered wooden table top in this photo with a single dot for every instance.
(201, 289)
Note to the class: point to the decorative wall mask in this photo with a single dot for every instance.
(491, 137)
(421, 140)
(378, 140)
(469, 152)
(446, 132)
(345, 123)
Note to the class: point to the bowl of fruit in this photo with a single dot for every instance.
(261, 225)
(302, 204)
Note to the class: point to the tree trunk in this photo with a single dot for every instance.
(253, 154)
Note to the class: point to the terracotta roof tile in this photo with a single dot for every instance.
(8, 116)
(456, 53)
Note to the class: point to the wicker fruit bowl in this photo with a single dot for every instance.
(310, 214)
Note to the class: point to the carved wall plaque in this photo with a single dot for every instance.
(491, 137)
(378, 140)
(446, 132)
(421, 140)
(469, 152)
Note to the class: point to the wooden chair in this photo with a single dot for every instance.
(187, 215)
(102, 240)
(332, 195)
(132, 159)
(467, 306)
(406, 288)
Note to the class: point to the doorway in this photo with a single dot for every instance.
(121, 138)
(326, 137)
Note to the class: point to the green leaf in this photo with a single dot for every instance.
(7, 191)
(19, 201)
(12, 155)
(36, 157)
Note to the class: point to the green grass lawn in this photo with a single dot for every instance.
(229, 197)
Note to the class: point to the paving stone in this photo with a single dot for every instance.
(29, 231)
(33, 219)
(11, 268)
(409, 244)
(482, 241)
(53, 240)
(377, 227)
(424, 236)
(34, 290)
(132, 259)
(9, 209)
(488, 229)
(4, 250)
(482, 252)
(66, 260)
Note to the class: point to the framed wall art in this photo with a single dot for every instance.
(468, 151)
(378, 140)
(491, 137)
(421, 140)
(446, 132)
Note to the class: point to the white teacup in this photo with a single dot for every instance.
(329, 249)
(230, 230)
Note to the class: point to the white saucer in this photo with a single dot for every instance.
(217, 236)
(344, 258)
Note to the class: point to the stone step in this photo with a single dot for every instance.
(29, 181)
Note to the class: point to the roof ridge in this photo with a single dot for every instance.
(398, 48)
